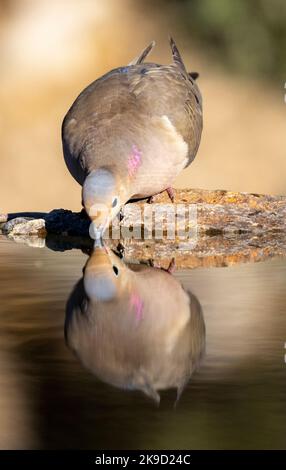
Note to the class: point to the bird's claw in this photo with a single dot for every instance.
(171, 193)
(172, 266)
(151, 199)
(170, 269)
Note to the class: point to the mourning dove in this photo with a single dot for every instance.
(131, 132)
(127, 334)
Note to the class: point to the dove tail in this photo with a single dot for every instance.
(176, 55)
(143, 55)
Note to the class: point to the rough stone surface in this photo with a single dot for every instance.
(25, 227)
(61, 221)
(231, 228)
(216, 251)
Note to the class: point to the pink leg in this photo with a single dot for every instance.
(172, 266)
(171, 193)
(170, 269)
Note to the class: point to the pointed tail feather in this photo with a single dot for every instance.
(143, 55)
(176, 55)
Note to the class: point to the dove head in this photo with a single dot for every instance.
(103, 194)
(126, 334)
(103, 280)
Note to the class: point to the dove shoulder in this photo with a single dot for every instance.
(131, 99)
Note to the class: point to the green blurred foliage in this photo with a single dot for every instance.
(248, 36)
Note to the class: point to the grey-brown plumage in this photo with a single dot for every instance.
(131, 132)
(127, 334)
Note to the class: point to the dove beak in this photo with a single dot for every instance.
(96, 231)
(98, 242)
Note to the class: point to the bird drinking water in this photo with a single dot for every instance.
(131, 132)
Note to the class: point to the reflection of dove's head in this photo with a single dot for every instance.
(127, 334)
(103, 278)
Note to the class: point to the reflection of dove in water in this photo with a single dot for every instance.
(134, 327)
(131, 132)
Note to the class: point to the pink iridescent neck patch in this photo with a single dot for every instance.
(134, 160)
(137, 304)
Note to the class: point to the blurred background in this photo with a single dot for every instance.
(51, 49)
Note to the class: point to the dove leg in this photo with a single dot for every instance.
(170, 269)
(171, 193)
(172, 266)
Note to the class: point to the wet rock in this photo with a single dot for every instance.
(203, 251)
(228, 228)
(217, 212)
(25, 227)
(67, 242)
(61, 221)
(33, 241)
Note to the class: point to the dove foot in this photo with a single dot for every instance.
(152, 199)
(171, 193)
(172, 266)
(170, 269)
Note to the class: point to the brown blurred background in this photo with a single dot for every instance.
(51, 49)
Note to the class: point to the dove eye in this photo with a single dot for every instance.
(115, 202)
(115, 270)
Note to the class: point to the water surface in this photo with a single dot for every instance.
(52, 397)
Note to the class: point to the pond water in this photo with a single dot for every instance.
(85, 367)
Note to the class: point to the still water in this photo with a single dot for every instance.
(131, 357)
